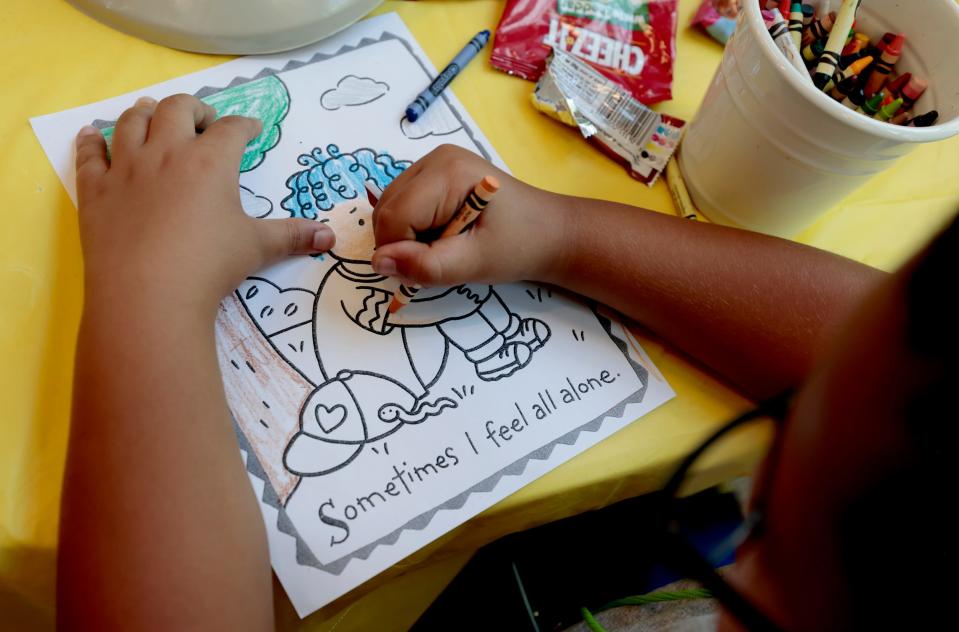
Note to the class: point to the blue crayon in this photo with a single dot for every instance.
(426, 97)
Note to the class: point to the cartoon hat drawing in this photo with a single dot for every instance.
(334, 427)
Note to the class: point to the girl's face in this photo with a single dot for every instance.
(352, 223)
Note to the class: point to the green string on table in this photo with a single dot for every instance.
(591, 621)
(639, 600)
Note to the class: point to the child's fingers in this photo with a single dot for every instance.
(130, 132)
(420, 205)
(177, 117)
(388, 197)
(432, 168)
(230, 136)
(91, 158)
(401, 181)
(284, 237)
(444, 262)
(428, 194)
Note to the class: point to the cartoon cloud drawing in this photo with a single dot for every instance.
(351, 91)
(255, 205)
(438, 120)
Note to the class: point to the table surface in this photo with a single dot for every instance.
(41, 288)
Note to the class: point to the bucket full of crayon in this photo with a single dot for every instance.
(770, 151)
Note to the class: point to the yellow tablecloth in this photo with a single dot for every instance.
(54, 58)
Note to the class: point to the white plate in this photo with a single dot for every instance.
(236, 27)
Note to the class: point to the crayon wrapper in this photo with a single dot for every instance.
(608, 116)
(459, 223)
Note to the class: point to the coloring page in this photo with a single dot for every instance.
(367, 434)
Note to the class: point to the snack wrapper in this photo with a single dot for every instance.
(574, 93)
(630, 42)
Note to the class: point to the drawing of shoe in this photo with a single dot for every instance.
(530, 331)
(512, 357)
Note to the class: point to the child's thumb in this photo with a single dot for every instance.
(444, 262)
(285, 237)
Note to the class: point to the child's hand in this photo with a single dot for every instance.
(518, 236)
(163, 222)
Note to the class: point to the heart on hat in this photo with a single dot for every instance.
(329, 419)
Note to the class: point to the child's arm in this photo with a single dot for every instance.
(159, 528)
(754, 308)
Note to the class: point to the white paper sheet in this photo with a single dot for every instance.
(367, 436)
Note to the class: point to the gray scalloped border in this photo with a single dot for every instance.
(305, 556)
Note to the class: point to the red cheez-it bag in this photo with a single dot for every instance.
(632, 42)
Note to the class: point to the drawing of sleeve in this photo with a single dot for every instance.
(368, 307)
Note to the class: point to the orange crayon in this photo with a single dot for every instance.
(472, 208)
(855, 68)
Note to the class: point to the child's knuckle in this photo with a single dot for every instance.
(292, 236)
(447, 151)
(231, 120)
(462, 167)
(131, 114)
(430, 269)
(84, 155)
(180, 100)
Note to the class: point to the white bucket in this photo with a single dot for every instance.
(769, 152)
